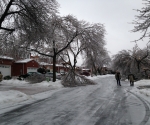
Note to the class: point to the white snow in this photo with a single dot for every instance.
(56, 84)
(24, 61)
(44, 63)
(144, 92)
(14, 98)
(15, 82)
(6, 57)
(99, 76)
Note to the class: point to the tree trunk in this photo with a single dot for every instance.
(54, 68)
(138, 66)
(5, 12)
(95, 72)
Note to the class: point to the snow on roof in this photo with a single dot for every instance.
(6, 57)
(43, 63)
(85, 69)
(24, 61)
(57, 64)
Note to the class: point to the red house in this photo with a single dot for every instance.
(24, 66)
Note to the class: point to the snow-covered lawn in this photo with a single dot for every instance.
(12, 98)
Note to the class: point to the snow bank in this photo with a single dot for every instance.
(142, 82)
(145, 91)
(15, 82)
(51, 84)
(12, 96)
(99, 76)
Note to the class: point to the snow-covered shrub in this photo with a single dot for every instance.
(72, 79)
(36, 78)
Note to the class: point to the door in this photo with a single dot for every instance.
(5, 70)
(31, 69)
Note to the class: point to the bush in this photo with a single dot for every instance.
(35, 78)
(7, 77)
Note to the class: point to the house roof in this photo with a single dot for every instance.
(24, 61)
(85, 69)
(6, 57)
(44, 63)
(57, 65)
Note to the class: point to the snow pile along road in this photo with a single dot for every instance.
(12, 97)
(9, 97)
(142, 88)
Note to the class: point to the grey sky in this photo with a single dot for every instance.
(116, 15)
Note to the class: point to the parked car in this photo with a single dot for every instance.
(23, 76)
(50, 75)
(85, 73)
(63, 73)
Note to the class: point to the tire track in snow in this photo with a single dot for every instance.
(147, 109)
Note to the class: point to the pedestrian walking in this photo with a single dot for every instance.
(131, 78)
(118, 78)
(1, 77)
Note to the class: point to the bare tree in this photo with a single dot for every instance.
(25, 19)
(73, 78)
(131, 61)
(87, 42)
(123, 61)
(62, 32)
(142, 21)
(94, 42)
(74, 49)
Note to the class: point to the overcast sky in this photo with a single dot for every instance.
(116, 15)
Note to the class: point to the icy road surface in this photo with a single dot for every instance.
(101, 104)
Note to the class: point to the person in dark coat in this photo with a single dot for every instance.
(131, 78)
(118, 78)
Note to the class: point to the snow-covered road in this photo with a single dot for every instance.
(101, 104)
